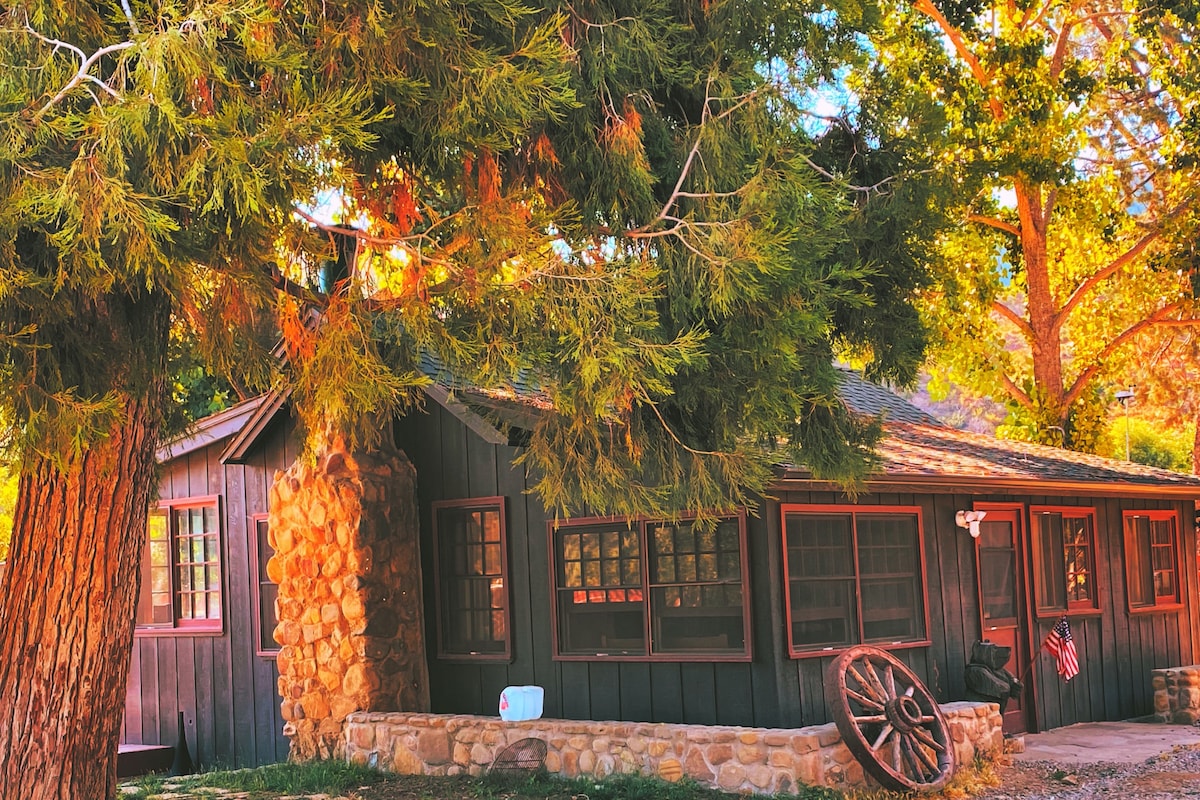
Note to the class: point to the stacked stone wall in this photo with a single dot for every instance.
(1177, 694)
(736, 759)
(347, 563)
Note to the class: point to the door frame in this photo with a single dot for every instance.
(1025, 619)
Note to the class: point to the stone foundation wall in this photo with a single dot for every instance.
(760, 760)
(348, 566)
(1177, 694)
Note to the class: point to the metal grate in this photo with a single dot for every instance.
(523, 755)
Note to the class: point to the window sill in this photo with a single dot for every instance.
(1048, 615)
(676, 658)
(156, 633)
(472, 658)
(837, 651)
(1165, 608)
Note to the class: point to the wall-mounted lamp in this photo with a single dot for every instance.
(970, 520)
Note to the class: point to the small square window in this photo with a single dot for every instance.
(1151, 558)
(1064, 549)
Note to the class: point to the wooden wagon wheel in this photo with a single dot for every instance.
(889, 720)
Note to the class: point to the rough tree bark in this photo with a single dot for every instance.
(67, 603)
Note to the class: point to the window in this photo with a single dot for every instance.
(266, 615)
(181, 566)
(651, 590)
(854, 575)
(1151, 556)
(1064, 559)
(470, 552)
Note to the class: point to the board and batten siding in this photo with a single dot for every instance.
(1117, 649)
(227, 692)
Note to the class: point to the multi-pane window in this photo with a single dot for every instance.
(854, 575)
(472, 574)
(181, 566)
(651, 589)
(266, 613)
(1151, 558)
(1064, 559)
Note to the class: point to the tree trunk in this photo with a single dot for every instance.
(67, 603)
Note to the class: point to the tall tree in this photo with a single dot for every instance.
(1065, 130)
(610, 196)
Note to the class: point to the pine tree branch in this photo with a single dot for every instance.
(1159, 319)
(81, 75)
(1016, 319)
(1116, 264)
(677, 440)
(995, 222)
(952, 33)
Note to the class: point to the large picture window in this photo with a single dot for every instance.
(651, 590)
(854, 575)
(181, 566)
(1064, 553)
(1151, 558)
(472, 578)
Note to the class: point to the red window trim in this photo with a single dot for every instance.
(1165, 603)
(1071, 609)
(256, 587)
(852, 509)
(641, 523)
(494, 502)
(179, 627)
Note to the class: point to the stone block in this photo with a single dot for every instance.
(697, 768)
(731, 776)
(719, 753)
(433, 746)
(669, 769)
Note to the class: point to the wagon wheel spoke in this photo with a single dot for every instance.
(863, 700)
(928, 740)
(889, 720)
(883, 736)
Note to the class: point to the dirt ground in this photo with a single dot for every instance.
(1175, 774)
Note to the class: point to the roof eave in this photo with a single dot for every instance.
(792, 478)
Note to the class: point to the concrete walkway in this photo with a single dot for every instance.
(1119, 742)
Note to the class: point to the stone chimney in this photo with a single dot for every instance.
(347, 561)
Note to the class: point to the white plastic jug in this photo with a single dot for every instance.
(521, 702)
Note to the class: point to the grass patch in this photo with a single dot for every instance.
(541, 786)
(315, 777)
(337, 778)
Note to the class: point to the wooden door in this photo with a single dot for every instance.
(1002, 602)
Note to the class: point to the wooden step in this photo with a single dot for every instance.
(139, 759)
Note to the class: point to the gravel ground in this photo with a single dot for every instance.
(1170, 775)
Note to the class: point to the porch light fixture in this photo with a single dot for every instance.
(970, 520)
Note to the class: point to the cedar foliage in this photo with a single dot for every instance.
(610, 199)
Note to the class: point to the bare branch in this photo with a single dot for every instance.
(1016, 319)
(1116, 264)
(995, 222)
(952, 33)
(86, 63)
(1016, 392)
(129, 16)
(1159, 319)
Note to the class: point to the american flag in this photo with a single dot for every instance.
(1061, 645)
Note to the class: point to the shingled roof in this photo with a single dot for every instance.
(917, 450)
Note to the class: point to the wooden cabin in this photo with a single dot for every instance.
(666, 622)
